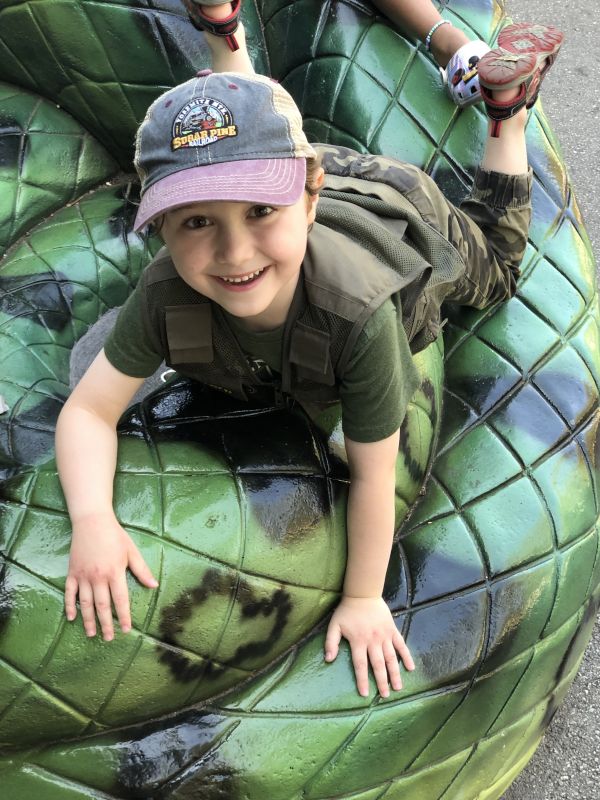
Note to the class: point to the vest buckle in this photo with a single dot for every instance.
(283, 400)
(260, 369)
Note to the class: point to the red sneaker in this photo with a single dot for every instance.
(219, 27)
(524, 54)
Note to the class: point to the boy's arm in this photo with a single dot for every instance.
(418, 17)
(86, 452)
(362, 616)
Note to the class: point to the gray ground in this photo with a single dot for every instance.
(567, 764)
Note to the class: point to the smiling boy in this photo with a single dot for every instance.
(245, 276)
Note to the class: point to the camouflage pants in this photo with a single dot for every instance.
(474, 249)
(490, 231)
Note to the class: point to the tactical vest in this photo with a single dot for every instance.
(369, 243)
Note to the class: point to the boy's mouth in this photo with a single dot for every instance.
(238, 282)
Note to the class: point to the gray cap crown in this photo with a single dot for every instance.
(216, 118)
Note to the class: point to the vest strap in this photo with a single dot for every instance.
(189, 333)
(310, 350)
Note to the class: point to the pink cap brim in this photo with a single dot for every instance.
(272, 181)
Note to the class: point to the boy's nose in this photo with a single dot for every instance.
(235, 247)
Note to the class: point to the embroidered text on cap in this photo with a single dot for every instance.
(202, 121)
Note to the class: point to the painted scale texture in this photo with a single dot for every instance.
(221, 690)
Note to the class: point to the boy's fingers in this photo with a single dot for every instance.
(379, 668)
(361, 670)
(104, 610)
(332, 642)
(86, 604)
(391, 663)
(404, 652)
(139, 567)
(70, 595)
(120, 596)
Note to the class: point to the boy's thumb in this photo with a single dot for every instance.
(140, 569)
(332, 642)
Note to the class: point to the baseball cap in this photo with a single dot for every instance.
(220, 136)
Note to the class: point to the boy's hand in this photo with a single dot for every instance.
(368, 625)
(101, 551)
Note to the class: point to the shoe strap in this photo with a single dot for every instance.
(501, 111)
(225, 27)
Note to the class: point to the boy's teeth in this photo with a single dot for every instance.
(245, 278)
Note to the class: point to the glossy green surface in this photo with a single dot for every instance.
(494, 579)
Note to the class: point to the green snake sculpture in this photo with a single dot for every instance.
(220, 691)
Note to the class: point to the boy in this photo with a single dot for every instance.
(232, 184)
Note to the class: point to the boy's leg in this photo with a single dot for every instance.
(500, 202)
(500, 207)
(490, 228)
(506, 152)
(511, 76)
(524, 54)
(223, 59)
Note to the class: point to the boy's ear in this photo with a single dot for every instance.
(313, 199)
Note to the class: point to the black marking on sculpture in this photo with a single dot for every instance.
(120, 224)
(415, 469)
(428, 390)
(287, 508)
(8, 466)
(395, 590)
(188, 411)
(569, 394)
(210, 779)
(580, 637)
(412, 465)
(11, 152)
(6, 603)
(594, 449)
(165, 756)
(452, 183)
(185, 407)
(29, 438)
(486, 392)
(174, 617)
(45, 296)
(572, 654)
(280, 605)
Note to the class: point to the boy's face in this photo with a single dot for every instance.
(243, 256)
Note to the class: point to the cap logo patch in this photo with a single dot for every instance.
(200, 122)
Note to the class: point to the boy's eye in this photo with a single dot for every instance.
(195, 222)
(261, 211)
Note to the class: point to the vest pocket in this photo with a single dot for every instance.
(414, 322)
(424, 324)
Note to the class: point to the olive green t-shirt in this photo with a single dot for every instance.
(375, 389)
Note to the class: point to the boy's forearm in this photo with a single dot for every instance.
(86, 454)
(418, 16)
(370, 522)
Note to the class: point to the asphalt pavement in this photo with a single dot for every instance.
(567, 764)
